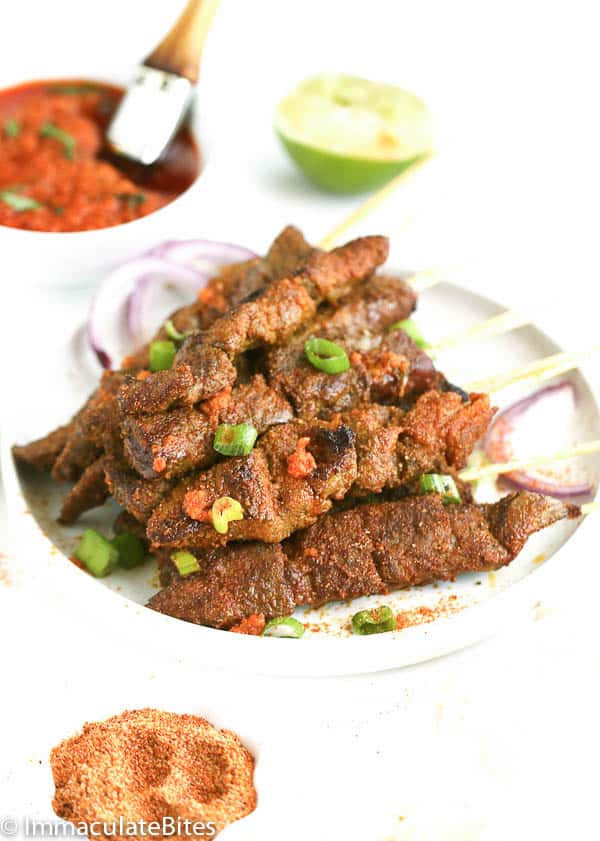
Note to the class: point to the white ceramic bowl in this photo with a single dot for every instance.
(82, 258)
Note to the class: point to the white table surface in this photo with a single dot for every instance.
(500, 740)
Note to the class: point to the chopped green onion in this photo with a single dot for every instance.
(162, 355)
(96, 553)
(185, 562)
(132, 199)
(376, 621)
(326, 356)
(284, 626)
(172, 331)
(18, 202)
(411, 329)
(56, 133)
(132, 551)
(12, 128)
(237, 440)
(437, 483)
(73, 90)
(224, 511)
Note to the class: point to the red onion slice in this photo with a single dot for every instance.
(108, 329)
(202, 255)
(137, 296)
(542, 422)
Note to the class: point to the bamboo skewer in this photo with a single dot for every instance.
(496, 326)
(473, 474)
(334, 237)
(590, 507)
(540, 369)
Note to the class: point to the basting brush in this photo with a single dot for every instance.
(157, 101)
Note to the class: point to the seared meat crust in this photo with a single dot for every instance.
(367, 550)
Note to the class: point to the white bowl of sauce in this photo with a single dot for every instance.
(68, 209)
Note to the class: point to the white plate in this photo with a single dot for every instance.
(460, 612)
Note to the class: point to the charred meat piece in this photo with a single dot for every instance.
(378, 374)
(233, 581)
(380, 363)
(275, 501)
(173, 443)
(42, 454)
(137, 496)
(203, 363)
(370, 549)
(438, 433)
(379, 446)
(89, 491)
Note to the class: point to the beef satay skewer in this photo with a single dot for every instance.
(474, 474)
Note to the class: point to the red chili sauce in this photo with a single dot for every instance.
(56, 173)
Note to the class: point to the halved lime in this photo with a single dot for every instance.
(349, 135)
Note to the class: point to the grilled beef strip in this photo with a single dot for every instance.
(42, 453)
(89, 491)
(389, 449)
(275, 503)
(181, 440)
(231, 286)
(173, 443)
(227, 289)
(369, 550)
(203, 364)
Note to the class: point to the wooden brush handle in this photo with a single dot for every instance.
(181, 49)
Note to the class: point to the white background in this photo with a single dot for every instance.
(499, 741)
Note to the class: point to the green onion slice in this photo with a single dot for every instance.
(237, 440)
(326, 356)
(96, 553)
(224, 511)
(56, 133)
(12, 128)
(376, 621)
(74, 90)
(185, 562)
(285, 626)
(172, 331)
(411, 328)
(438, 483)
(132, 199)
(18, 202)
(162, 355)
(132, 551)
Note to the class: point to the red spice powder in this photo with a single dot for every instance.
(421, 615)
(196, 504)
(147, 765)
(301, 463)
(252, 625)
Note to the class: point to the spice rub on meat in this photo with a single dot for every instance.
(325, 502)
(368, 550)
(204, 363)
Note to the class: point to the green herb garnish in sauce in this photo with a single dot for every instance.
(132, 199)
(74, 90)
(18, 202)
(12, 128)
(56, 133)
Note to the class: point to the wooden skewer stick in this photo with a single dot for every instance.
(181, 49)
(335, 236)
(590, 507)
(540, 369)
(472, 474)
(496, 326)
